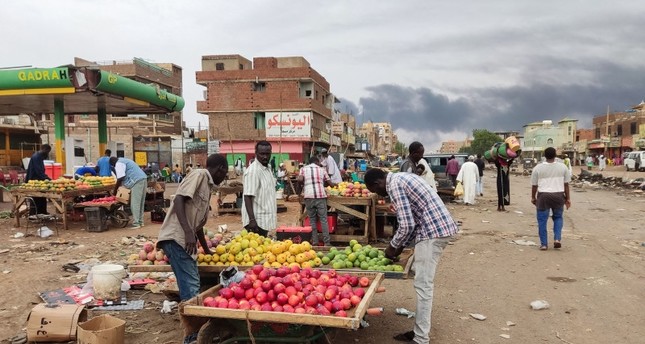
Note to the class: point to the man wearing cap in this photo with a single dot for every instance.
(329, 164)
(468, 177)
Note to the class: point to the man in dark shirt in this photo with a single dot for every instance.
(36, 171)
(481, 164)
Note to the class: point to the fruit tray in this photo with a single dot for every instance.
(406, 259)
(167, 268)
(194, 308)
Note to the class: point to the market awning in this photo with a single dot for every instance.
(83, 91)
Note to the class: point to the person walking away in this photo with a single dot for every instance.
(259, 208)
(550, 193)
(481, 165)
(331, 167)
(314, 179)
(103, 164)
(468, 176)
(184, 226)
(602, 162)
(36, 171)
(589, 162)
(452, 169)
(130, 175)
(424, 219)
(503, 183)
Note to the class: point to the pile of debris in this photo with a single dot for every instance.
(596, 180)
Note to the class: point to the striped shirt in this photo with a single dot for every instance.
(314, 179)
(419, 210)
(260, 183)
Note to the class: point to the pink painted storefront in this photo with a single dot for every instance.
(285, 150)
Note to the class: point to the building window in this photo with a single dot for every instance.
(306, 89)
(597, 133)
(241, 66)
(632, 128)
(260, 120)
(219, 66)
(259, 86)
(619, 130)
(569, 132)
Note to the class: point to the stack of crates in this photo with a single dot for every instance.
(96, 219)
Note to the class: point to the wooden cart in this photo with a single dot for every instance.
(342, 204)
(60, 199)
(235, 325)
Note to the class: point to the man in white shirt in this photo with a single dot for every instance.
(259, 209)
(331, 167)
(550, 192)
(469, 176)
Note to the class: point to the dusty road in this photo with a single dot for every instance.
(595, 284)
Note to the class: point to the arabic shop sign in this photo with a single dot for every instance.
(289, 125)
(34, 78)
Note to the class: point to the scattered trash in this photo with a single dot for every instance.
(403, 311)
(518, 212)
(471, 253)
(71, 268)
(4, 251)
(168, 306)
(510, 323)
(222, 228)
(230, 275)
(504, 328)
(505, 336)
(6, 271)
(44, 232)
(524, 242)
(478, 316)
(485, 221)
(19, 339)
(539, 304)
(364, 323)
(19, 235)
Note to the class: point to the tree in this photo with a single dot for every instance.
(483, 140)
(400, 148)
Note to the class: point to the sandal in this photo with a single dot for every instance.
(557, 244)
(543, 248)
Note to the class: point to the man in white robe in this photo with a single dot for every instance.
(468, 176)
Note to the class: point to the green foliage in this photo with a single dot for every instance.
(482, 141)
(400, 148)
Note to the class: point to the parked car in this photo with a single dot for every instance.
(635, 161)
(439, 161)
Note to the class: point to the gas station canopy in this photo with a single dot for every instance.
(82, 90)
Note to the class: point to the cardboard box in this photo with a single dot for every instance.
(54, 323)
(123, 195)
(104, 329)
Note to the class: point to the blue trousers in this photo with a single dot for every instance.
(184, 267)
(543, 219)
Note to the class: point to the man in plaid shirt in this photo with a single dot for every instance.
(314, 178)
(422, 216)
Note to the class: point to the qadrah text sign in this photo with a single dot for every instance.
(288, 125)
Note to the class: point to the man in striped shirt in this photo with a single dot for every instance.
(314, 178)
(422, 217)
(259, 209)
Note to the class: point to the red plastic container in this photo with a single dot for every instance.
(332, 221)
(49, 171)
(295, 234)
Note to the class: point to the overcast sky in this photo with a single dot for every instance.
(435, 69)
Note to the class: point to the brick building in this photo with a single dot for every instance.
(380, 137)
(618, 132)
(280, 99)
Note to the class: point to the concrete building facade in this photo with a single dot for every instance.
(279, 99)
(380, 137)
(540, 135)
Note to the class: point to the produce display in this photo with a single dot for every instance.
(357, 256)
(347, 189)
(148, 255)
(65, 184)
(292, 290)
(99, 201)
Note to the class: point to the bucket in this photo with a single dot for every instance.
(488, 156)
(106, 281)
(501, 151)
(279, 194)
(513, 143)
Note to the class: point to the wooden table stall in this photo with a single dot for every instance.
(60, 199)
(343, 204)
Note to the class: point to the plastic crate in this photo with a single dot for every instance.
(295, 234)
(96, 218)
(332, 222)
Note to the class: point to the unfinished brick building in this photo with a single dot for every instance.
(280, 99)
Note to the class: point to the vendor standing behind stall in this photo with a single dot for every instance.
(103, 164)
(259, 209)
(36, 171)
(132, 177)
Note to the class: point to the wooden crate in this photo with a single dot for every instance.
(194, 308)
(406, 259)
(167, 268)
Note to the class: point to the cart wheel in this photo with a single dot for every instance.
(214, 331)
(119, 219)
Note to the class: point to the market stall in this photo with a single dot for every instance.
(61, 199)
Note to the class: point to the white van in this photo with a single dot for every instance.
(635, 161)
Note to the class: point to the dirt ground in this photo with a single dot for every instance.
(595, 284)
